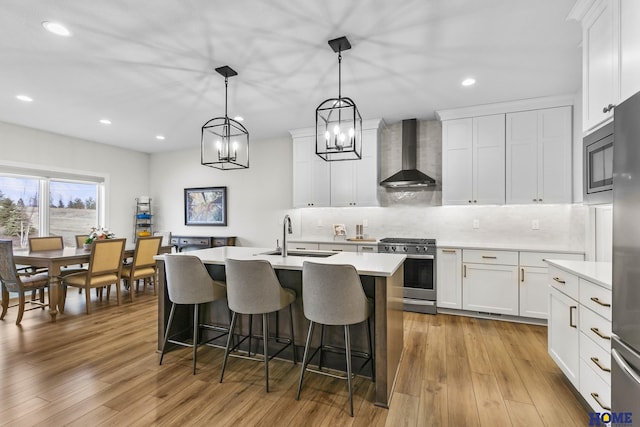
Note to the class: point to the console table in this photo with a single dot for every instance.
(191, 243)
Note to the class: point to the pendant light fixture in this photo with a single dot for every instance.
(338, 121)
(225, 142)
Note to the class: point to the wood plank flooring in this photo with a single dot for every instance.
(102, 369)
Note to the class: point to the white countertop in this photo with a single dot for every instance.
(596, 272)
(508, 247)
(368, 264)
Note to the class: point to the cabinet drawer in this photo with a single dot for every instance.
(564, 282)
(594, 389)
(490, 257)
(536, 259)
(596, 357)
(596, 298)
(595, 327)
(300, 246)
(337, 247)
(368, 248)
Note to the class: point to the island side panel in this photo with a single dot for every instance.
(389, 334)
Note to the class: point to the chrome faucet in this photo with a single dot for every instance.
(286, 228)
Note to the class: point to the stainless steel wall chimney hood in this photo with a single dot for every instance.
(409, 176)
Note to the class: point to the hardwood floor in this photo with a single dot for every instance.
(102, 369)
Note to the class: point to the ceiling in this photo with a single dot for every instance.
(148, 65)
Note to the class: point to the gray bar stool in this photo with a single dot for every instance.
(253, 288)
(189, 282)
(333, 295)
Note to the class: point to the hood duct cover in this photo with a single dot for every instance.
(409, 176)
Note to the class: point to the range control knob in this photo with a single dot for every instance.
(386, 248)
(393, 248)
(404, 248)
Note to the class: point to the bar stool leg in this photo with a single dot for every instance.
(321, 347)
(166, 332)
(195, 335)
(250, 332)
(226, 352)
(347, 341)
(293, 341)
(304, 358)
(265, 332)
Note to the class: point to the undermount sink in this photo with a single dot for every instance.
(302, 253)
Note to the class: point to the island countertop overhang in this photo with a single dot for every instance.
(367, 264)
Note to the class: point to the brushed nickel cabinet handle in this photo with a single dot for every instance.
(489, 257)
(535, 200)
(522, 274)
(600, 334)
(571, 316)
(464, 270)
(367, 248)
(557, 279)
(448, 251)
(606, 110)
(597, 301)
(596, 397)
(599, 365)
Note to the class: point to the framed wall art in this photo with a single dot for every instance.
(205, 206)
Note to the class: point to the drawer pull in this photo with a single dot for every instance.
(597, 301)
(559, 280)
(489, 257)
(336, 250)
(571, 316)
(367, 248)
(448, 251)
(598, 333)
(596, 361)
(522, 274)
(596, 397)
(464, 270)
(301, 249)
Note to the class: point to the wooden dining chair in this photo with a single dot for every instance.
(143, 266)
(80, 239)
(12, 281)
(105, 268)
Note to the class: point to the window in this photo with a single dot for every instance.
(40, 206)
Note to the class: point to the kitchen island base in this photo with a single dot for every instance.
(387, 323)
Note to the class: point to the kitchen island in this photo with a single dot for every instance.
(382, 276)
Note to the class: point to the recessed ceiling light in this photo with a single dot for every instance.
(24, 98)
(105, 121)
(56, 28)
(469, 82)
(238, 118)
(160, 137)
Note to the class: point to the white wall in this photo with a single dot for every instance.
(127, 171)
(258, 197)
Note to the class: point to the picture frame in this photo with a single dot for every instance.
(205, 206)
(339, 230)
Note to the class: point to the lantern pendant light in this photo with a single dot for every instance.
(338, 121)
(225, 141)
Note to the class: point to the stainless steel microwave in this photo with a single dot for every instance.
(598, 165)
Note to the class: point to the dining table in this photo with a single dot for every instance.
(54, 260)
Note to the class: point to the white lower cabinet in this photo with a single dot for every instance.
(579, 335)
(338, 247)
(563, 334)
(487, 286)
(303, 246)
(449, 278)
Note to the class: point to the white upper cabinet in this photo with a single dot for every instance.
(473, 160)
(629, 60)
(610, 60)
(317, 183)
(538, 152)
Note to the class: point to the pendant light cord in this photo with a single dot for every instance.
(340, 76)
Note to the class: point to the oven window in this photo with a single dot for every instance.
(418, 273)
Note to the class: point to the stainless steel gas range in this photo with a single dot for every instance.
(419, 271)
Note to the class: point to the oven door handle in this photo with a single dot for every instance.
(420, 257)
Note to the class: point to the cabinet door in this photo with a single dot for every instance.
(522, 155)
(554, 155)
(629, 17)
(599, 64)
(490, 288)
(449, 278)
(310, 174)
(563, 334)
(534, 292)
(367, 176)
(343, 178)
(457, 165)
(488, 159)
